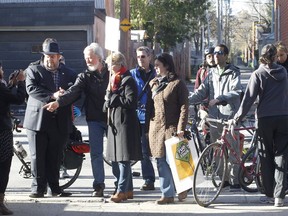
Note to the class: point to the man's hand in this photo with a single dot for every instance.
(51, 107)
(57, 94)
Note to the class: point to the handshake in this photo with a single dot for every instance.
(52, 106)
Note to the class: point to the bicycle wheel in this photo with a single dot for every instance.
(68, 176)
(247, 171)
(258, 179)
(209, 174)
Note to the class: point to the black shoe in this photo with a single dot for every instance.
(235, 188)
(147, 187)
(36, 195)
(61, 194)
(98, 193)
(226, 184)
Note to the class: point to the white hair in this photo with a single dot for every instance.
(95, 47)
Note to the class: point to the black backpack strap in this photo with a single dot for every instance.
(145, 86)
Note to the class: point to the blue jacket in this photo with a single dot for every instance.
(138, 74)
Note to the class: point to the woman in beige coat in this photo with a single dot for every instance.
(168, 115)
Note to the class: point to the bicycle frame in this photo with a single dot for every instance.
(209, 175)
(224, 140)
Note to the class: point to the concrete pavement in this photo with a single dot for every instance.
(81, 202)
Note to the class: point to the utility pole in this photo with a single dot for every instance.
(219, 22)
(124, 45)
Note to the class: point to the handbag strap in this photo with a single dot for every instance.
(145, 86)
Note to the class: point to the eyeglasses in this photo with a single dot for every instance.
(142, 56)
(220, 52)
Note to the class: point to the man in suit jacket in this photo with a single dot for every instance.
(47, 132)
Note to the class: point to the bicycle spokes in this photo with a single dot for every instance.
(209, 175)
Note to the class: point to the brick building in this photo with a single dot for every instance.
(281, 20)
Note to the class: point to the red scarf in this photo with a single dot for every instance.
(116, 78)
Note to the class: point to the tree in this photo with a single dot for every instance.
(168, 22)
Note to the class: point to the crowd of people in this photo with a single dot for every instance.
(138, 109)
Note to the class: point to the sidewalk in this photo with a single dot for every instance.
(81, 202)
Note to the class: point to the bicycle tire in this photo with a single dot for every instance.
(209, 174)
(247, 171)
(73, 174)
(258, 179)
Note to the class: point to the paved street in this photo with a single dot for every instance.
(81, 202)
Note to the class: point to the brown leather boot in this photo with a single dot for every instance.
(118, 197)
(165, 200)
(3, 209)
(129, 194)
(182, 196)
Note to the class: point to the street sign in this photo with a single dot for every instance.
(125, 25)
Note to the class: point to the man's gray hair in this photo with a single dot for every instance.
(145, 49)
(96, 49)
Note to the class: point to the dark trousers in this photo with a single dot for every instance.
(146, 164)
(273, 152)
(4, 174)
(46, 149)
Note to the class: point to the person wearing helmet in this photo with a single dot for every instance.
(207, 64)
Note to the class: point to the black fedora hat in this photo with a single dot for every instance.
(50, 47)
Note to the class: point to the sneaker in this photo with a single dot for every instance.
(235, 188)
(98, 192)
(267, 200)
(147, 187)
(279, 202)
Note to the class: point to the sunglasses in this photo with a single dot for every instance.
(142, 56)
(220, 52)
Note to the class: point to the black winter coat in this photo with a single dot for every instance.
(123, 142)
(94, 85)
(9, 97)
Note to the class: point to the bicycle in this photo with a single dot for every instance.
(249, 171)
(200, 138)
(212, 165)
(70, 173)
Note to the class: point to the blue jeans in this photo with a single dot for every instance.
(123, 174)
(146, 164)
(96, 133)
(165, 177)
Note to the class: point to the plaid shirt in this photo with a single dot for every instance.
(56, 79)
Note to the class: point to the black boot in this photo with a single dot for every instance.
(3, 209)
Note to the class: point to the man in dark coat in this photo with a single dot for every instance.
(93, 82)
(47, 132)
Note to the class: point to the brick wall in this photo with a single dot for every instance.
(281, 20)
